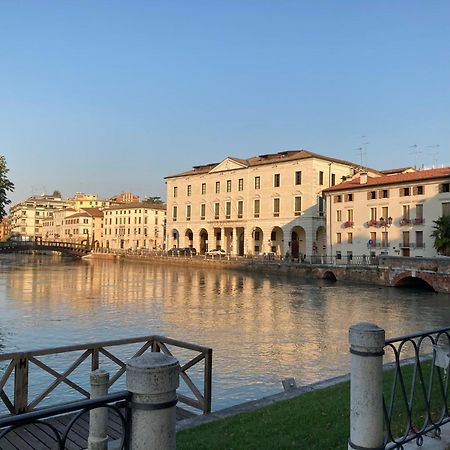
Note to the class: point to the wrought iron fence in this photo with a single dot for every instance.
(416, 392)
(60, 437)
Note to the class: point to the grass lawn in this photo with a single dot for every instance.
(315, 420)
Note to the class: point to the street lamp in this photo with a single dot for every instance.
(385, 223)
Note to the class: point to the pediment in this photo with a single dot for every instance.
(228, 164)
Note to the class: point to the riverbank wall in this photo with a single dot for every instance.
(433, 273)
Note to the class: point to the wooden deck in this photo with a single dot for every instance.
(41, 437)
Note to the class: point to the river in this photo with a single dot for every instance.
(262, 328)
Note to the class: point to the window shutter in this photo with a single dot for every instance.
(441, 188)
(368, 195)
(401, 192)
(415, 190)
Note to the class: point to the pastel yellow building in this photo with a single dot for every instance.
(270, 203)
(134, 226)
(393, 213)
(81, 200)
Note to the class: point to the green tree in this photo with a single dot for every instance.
(57, 194)
(441, 235)
(154, 200)
(5, 186)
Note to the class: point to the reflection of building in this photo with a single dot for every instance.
(268, 203)
(5, 228)
(134, 226)
(387, 214)
(27, 217)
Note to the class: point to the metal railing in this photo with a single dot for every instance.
(21, 384)
(55, 436)
(417, 400)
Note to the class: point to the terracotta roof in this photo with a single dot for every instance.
(421, 175)
(133, 205)
(94, 212)
(79, 214)
(399, 170)
(270, 158)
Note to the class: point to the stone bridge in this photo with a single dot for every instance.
(68, 248)
(431, 273)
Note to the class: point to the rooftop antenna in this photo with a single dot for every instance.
(362, 149)
(416, 152)
(435, 154)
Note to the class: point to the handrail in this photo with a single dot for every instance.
(17, 371)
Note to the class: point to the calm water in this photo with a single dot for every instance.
(262, 329)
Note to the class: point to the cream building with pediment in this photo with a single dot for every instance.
(265, 204)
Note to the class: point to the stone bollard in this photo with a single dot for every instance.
(152, 380)
(366, 386)
(98, 423)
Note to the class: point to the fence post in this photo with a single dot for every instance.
(21, 384)
(98, 423)
(366, 387)
(152, 380)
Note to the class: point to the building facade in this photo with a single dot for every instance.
(81, 200)
(387, 214)
(27, 217)
(134, 226)
(266, 204)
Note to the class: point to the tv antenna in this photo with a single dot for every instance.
(434, 154)
(362, 150)
(416, 152)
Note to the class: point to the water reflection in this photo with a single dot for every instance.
(262, 328)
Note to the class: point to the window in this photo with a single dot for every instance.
(349, 197)
(256, 233)
(276, 180)
(338, 238)
(240, 209)
(419, 212)
(228, 185)
(256, 208)
(174, 213)
(338, 199)
(216, 210)
(349, 238)
(189, 190)
(333, 179)
(446, 209)
(297, 206)
(444, 187)
(240, 184)
(373, 213)
(406, 239)
(276, 207)
(419, 190)
(257, 182)
(405, 212)
(371, 195)
(321, 205)
(175, 191)
(273, 236)
(384, 239)
(202, 211)
(350, 215)
(298, 177)
(405, 192)
(321, 178)
(338, 215)
(227, 210)
(188, 212)
(419, 239)
(385, 212)
(203, 188)
(217, 187)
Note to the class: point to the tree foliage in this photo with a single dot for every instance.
(154, 200)
(57, 194)
(441, 235)
(5, 186)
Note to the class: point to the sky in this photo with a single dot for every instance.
(109, 96)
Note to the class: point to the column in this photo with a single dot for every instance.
(98, 423)
(286, 241)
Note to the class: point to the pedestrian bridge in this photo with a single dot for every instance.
(68, 248)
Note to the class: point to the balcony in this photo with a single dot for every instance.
(348, 224)
(404, 222)
(419, 221)
(379, 245)
(372, 223)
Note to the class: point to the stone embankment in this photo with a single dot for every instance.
(393, 271)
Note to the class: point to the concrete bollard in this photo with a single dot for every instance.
(98, 423)
(366, 386)
(152, 380)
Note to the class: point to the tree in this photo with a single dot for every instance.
(5, 186)
(57, 194)
(441, 235)
(154, 200)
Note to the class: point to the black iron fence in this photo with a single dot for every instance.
(416, 391)
(59, 437)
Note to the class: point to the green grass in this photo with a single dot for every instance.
(316, 420)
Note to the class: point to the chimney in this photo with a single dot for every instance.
(363, 178)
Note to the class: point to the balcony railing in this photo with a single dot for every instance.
(419, 221)
(379, 245)
(404, 221)
(348, 224)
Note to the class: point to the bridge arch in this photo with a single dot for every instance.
(420, 281)
(329, 275)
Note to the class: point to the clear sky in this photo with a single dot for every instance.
(111, 96)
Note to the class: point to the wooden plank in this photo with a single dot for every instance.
(74, 440)
(7, 402)
(192, 362)
(190, 384)
(6, 375)
(18, 440)
(32, 442)
(21, 385)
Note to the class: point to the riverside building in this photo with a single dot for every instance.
(136, 225)
(392, 214)
(268, 204)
